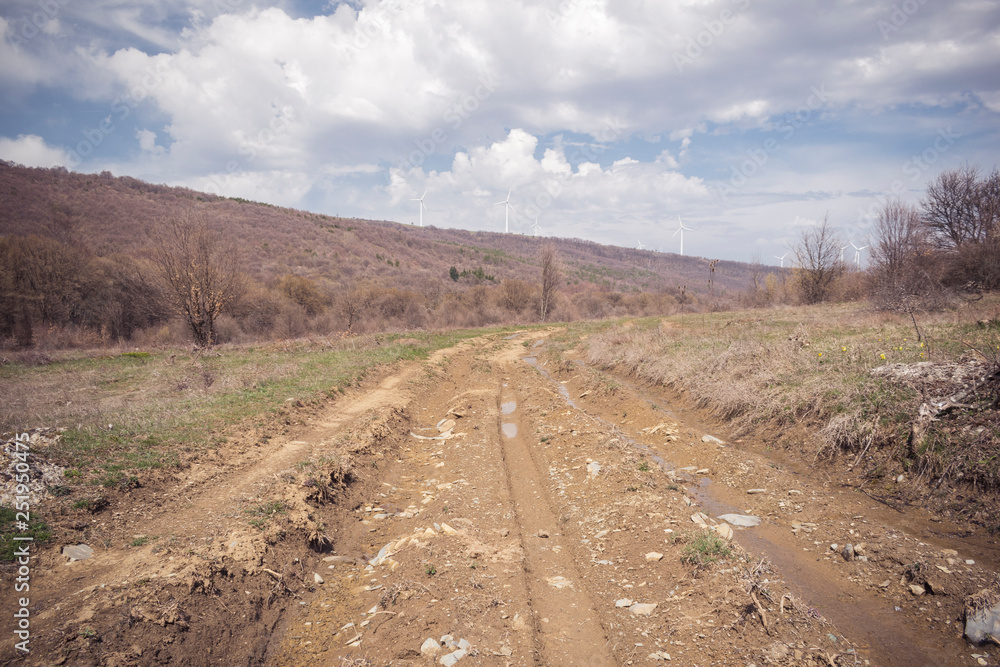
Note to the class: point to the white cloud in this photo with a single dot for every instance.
(364, 108)
(147, 142)
(31, 151)
(569, 200)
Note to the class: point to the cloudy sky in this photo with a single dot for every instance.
(607, 118)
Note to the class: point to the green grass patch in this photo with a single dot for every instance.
(37, 529)
(129, 413)
(261, 514)
(705, 548)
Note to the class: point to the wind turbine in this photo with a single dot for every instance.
(680, 229)
(507, 210)
(422, 207)
(842, 249)
(535, 226)
(782, 258)
(641, 246)
(857, 254)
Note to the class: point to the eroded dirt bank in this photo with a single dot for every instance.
(480, 509)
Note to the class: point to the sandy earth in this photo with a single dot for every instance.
(489, 509)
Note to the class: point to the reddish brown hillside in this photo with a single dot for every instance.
(108, 214)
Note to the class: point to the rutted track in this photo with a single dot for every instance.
(497, 522)
(566, 622)
(532, 531)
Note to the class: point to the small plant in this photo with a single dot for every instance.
(139, 541)
(643, 466)
(263, 512)
(706, 548)
(430, 570)
(473, 565)
(88, 633)
(121, 481)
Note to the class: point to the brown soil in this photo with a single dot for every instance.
(363, 529)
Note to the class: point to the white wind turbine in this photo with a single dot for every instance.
(782, 258)
(680, 229)
(535, 226)
(422, 207)
(507, 210)
(857, 254)
(641, 246)
(842, 249)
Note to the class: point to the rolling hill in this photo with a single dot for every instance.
(106, 215)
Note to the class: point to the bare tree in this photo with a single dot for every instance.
(550, 278)
(200, 274)
(961, 212)
(759, 292)
(897, 236)
(818, 257)
(756, 272)
(904, 270)
(950, 207)
(354, 304)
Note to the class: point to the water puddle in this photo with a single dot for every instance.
(886, 636)
(509, 429)
(533, 362)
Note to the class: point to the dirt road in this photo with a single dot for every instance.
(499, 504)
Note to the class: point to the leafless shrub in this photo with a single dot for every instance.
(905, 272)
(961, 213)
(200, 275)
(550, 280)
(817, 255)
(515, 295)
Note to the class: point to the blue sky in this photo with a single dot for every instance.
(750, 120)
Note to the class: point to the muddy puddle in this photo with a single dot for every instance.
(871, 623)
(509, 429)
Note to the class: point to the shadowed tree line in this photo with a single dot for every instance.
(189, 282)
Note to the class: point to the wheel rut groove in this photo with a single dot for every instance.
(565, 620)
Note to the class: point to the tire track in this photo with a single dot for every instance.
(566, 623)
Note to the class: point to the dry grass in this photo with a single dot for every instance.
(769, 371)
(128, 411)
